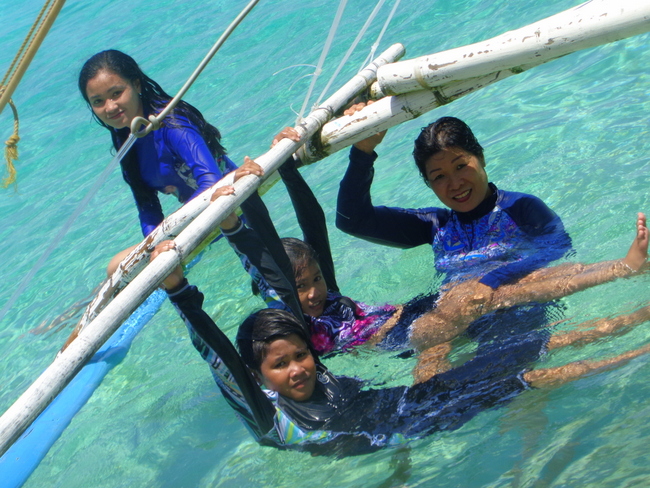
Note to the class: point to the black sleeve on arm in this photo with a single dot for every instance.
(356, 215)
(190, 301)
(311, 219)
(272, 255)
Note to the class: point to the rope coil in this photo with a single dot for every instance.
(11, 151)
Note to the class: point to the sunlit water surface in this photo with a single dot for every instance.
(573, 132)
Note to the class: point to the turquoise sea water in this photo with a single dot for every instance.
(573, 132)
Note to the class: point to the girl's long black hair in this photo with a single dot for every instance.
(154, 99)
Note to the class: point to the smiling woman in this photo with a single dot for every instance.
(184, 157)
(114, 100)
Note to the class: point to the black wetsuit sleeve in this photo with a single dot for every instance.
(311, 219)
(356, 215)
(231, 374)
(265, 252)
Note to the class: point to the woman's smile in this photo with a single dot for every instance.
(114, 100)
(458, 179)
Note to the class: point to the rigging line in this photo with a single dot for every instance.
(55, 242)
(120, 154)
(323, 55)
(154, 120)
(374, 47)
(356, 41)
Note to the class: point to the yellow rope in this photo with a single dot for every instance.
(17, 69)
(11, 151)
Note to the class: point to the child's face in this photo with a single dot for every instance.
(312, 290)
(289, 368)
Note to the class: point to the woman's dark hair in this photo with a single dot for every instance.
(442, 134)
(154, 99)
(262, 328)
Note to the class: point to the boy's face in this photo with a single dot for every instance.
(289, 368)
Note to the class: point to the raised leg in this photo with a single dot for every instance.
(464, 302)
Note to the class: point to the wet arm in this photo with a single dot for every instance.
(233, 378)
(357, 216)
(311, 219)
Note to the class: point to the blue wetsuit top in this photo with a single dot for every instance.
(174, 159)
(506, 237)
(343, 417)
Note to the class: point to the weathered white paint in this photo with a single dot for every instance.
(431, 81)
(587, 25)
(68, 363)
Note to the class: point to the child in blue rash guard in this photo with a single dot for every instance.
(184, 157)
(288, 399)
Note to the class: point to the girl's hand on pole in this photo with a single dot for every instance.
(286, 133)
(176, 277)
(249, 167)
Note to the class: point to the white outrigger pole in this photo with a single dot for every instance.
(407, 89)
(439, 79)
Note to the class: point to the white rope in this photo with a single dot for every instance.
(154, 120)
(374, 47)
(360, 35)
(323, 55)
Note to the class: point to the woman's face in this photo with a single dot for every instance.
(458, 179)
(312, 290)
(114, 100)
(289, 368)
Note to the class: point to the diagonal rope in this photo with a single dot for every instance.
(351, 49)
(155, 120)
(374, 47)
(323, 55)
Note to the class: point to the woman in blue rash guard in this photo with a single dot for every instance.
(288, 399)
(183, 158)
(486, 237)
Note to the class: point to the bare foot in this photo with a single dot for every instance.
(638, 253)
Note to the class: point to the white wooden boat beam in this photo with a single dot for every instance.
(423, 84)
(587, 25)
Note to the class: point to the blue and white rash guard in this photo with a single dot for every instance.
(174, 159)
(506, 237)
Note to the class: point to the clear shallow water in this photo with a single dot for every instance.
(573, 132)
